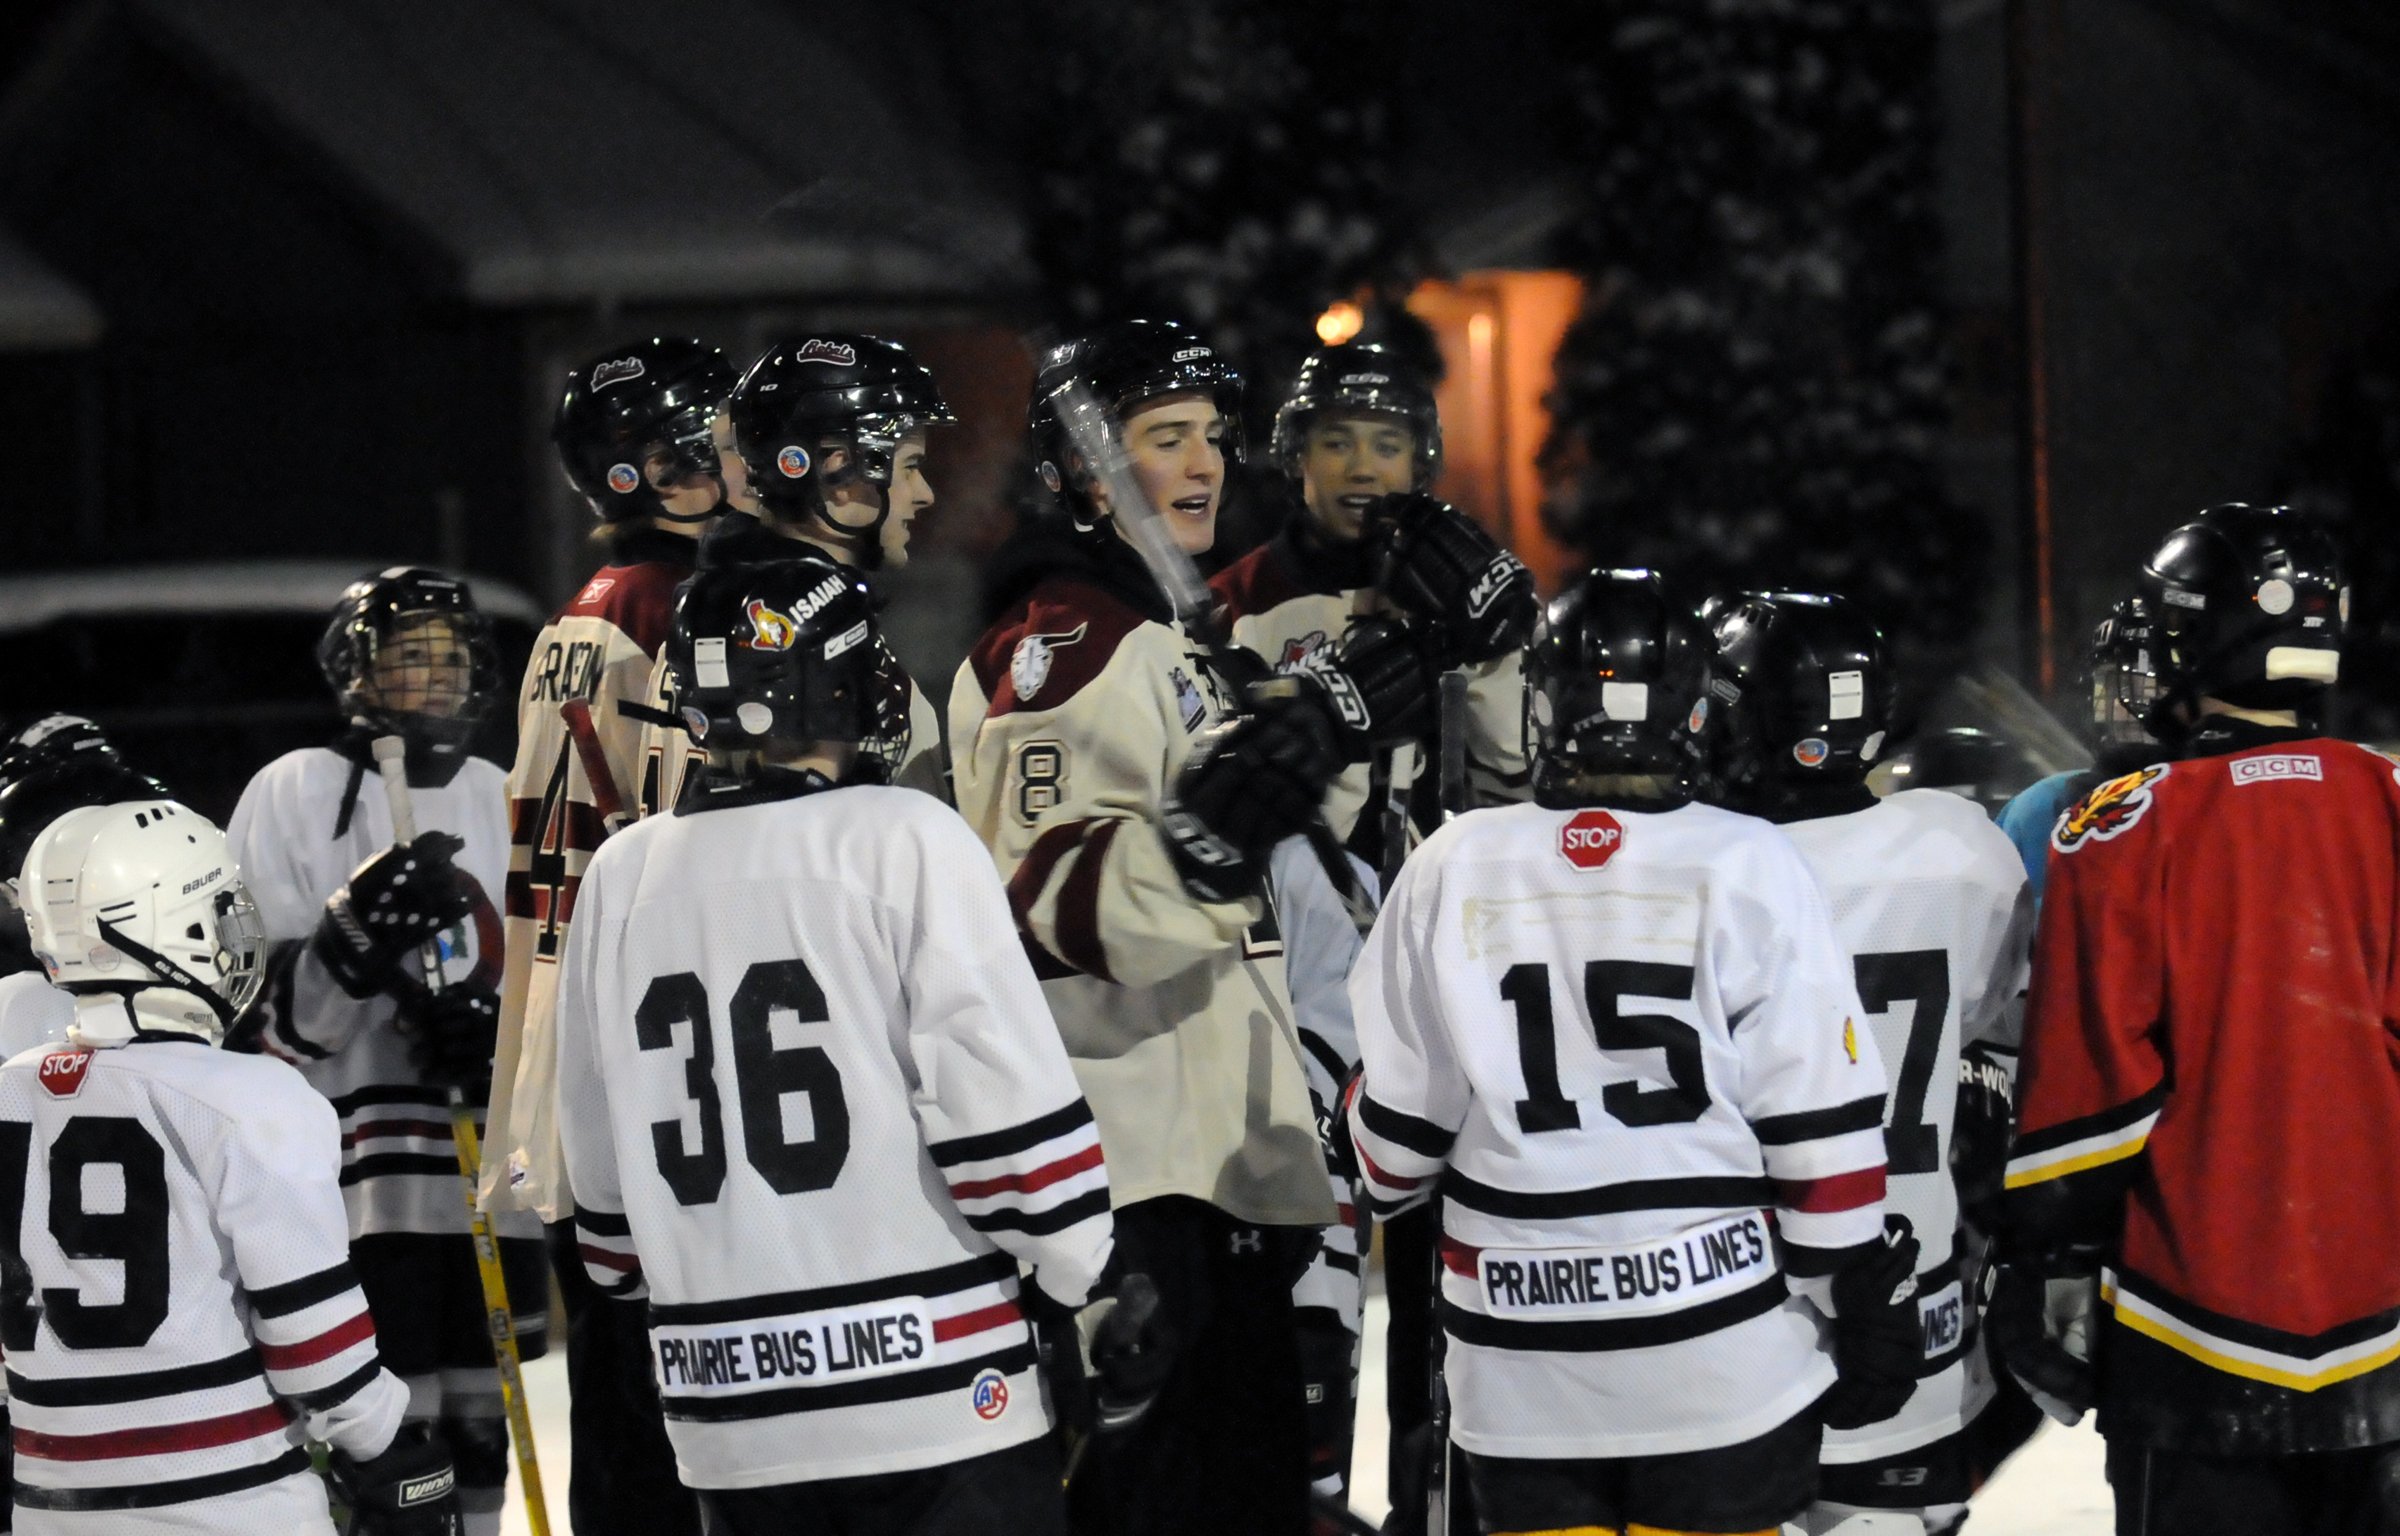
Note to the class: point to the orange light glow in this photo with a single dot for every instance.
(1339, 323)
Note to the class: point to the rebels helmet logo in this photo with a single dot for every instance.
(616, 371)
(818, 350)
(624, 479)
(2107, 811)
(1590, 839)
(792, 462)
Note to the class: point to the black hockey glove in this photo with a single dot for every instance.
(1249, 783)
(409, 1490)
(393, 902)
(452, 1035)
(1878, 1341)
(2044, 1311)
(1377, 683)
(1439, 565)
(1986, 1117)
(1126, 1341)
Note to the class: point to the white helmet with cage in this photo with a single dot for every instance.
(138, 910)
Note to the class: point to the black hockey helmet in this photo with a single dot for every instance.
(365, 657)
(50, 740)
(2246, 605)
(863, 391)
(1124, 365)
(30, 802)
(1616, 682)
(2119, 681)
(785, 651)
(1803, 691)
(631, 402)
(1358, 376)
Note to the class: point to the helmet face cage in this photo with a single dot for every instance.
(408, 652)
(2120, 683)
(239, 956)
(1363, 378)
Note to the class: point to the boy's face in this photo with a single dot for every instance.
(1349, 458)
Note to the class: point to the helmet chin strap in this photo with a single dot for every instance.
(168, 972)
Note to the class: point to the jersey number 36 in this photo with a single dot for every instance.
(762, 1073)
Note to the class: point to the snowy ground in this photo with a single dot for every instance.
(2053, 1488)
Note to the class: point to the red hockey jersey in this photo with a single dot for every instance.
(2211, 1088)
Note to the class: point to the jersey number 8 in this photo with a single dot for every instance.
(762, 1073)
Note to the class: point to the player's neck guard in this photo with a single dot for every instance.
(2219, 735)
(111, 1017)
(1571, 791)
(718, 788)
(643, 546)
(1807, 802)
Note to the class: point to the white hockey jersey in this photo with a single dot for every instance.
(32, 1012)
(1628, 1045)
(1930, 900)
(399, 1165)
(813, 1101)
(179, 1312)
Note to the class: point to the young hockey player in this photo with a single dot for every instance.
(814, 1108)
(1618, 984)
(1134, 876)
(347, 910)
(48, 766)
(640, 432)
(2210, 1098)
(2122, 694)
(836, 425)
(1930, 904)
(1361, 442)
(177, 1297)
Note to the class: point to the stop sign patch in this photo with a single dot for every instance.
(1590, 839)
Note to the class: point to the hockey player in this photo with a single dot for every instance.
(407, 655)
(2210, 1100)
(1930, 904)
(1360, 440)
(177, 1297)
(640, 432)
(1134, 876)
(2123, 698)
(837, 425)
(1550, 995)
(819, 975)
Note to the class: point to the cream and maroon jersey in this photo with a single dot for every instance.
(1930, 900)
(304, 823)
(814, 1104)
(1286, 605)
(179, 1312)
(1627, 1045)
(603, 647)
(1068, 721)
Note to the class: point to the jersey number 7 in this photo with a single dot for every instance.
(762, 1075)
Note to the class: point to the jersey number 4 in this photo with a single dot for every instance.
(1606, 983)
(762, 1073)
(133, 1236)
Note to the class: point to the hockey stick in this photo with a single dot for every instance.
(1105, 458)
(577, 713)
(498, 1318)
(1448, 1506)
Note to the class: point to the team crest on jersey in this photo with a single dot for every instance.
(1300, 651)
(2108, 810)
(63, 1072)
(1188, 702)
(989, 1395)
(769, 630)
(1590, 839)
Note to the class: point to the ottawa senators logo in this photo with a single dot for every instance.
(769, 630)
(2107, 810)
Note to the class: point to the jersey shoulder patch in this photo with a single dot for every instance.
(638, 599)
(2109, 811)
(1041, 658)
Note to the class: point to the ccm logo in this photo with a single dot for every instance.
(2258, 770)
(1590, 839)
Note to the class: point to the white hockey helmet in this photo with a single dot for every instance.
(138, 910)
